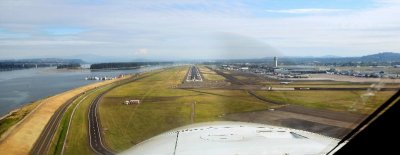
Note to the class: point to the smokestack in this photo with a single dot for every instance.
(275, 62)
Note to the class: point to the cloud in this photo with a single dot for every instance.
(388, 1)
(142, 51)
(307, 11)
(238, 46)
(188, 29)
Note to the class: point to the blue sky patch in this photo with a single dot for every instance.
(63, 30)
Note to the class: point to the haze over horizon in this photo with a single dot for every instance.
(90, 58)
(181, 29)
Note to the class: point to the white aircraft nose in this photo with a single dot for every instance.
(220, 138)
(224, 137)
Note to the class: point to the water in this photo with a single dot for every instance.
(21, 87)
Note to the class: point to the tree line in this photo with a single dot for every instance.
(125, 65)
(68, 66)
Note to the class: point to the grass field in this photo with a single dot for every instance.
(16, 116)
(332, 84)
(353, 101)
(241, 77)
(164, 108)
(58, 139)
(209, 74)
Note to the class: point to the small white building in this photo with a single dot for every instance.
(128, 102)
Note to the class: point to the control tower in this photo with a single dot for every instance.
(275, 62)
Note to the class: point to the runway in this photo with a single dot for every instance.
(193, 75)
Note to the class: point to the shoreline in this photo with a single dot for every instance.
(19, 120)
(21, 107)
(12, 111)
(49, 71)
(20, 137)
(20, 87)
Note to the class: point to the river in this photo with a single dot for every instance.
(20, 87)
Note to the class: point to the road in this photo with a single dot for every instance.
(94, 130)
(42, 144)
(70, 121)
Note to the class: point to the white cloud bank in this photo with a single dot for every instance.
(142, 51)
(187, 29)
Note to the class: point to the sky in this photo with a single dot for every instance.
(197, 29)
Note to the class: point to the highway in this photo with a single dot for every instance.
(42, 144)
(193, 74)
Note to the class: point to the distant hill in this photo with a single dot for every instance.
(125, 65)
(330, 56)
(14, 64)
(45, 60)
(91, 58)
(382, 57)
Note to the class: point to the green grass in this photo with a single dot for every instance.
(320, 83)
(213, 77)
(352, 101)
(210, 75)
(58, 139)
(16, 116)
(366, 86)
(332, 84)
(164, 108)
(241, 77)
